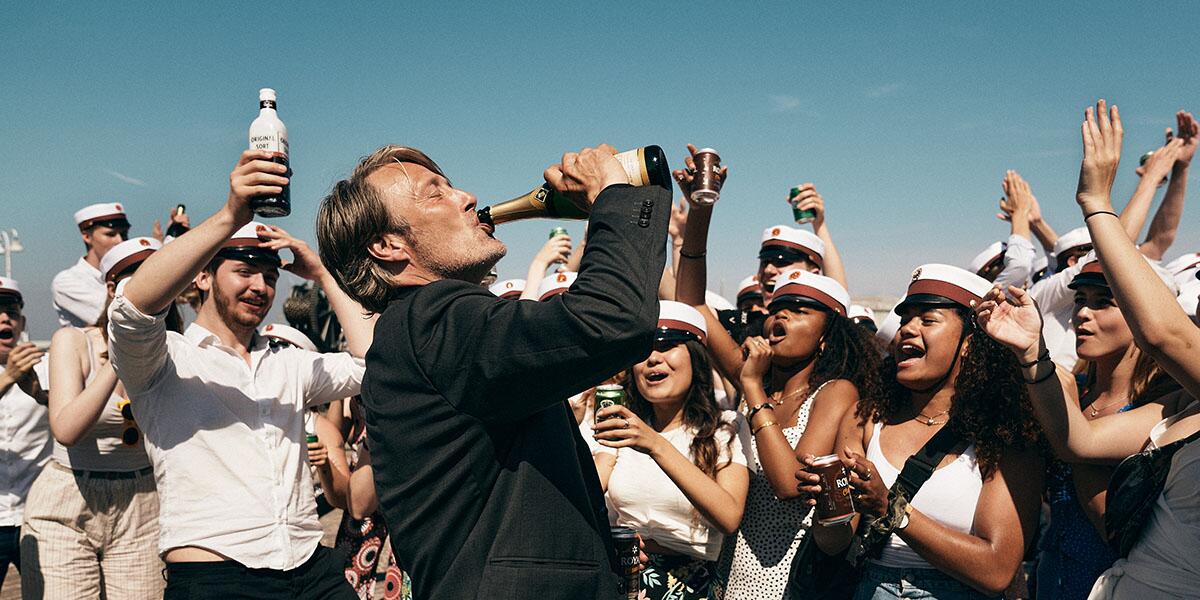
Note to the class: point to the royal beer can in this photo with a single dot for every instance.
(625, 541)
(801, 216)
(608, 395)
(706, 184)
(557, 231)
(834, 503)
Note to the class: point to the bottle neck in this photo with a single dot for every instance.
(266, 107)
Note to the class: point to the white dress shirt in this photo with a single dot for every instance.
(25, 444)
(226, 438)
(1018, 262)
(79, 295)
(1057, 303)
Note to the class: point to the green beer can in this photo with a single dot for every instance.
(801, 216)
(557, 231)
(606, 396)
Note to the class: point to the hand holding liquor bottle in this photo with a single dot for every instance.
(268, 133)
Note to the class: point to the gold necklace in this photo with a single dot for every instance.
(931, 421)
(783, 399)
(1096, 411)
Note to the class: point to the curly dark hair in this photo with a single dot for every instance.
(849, 353)
(990, 407)
(701, 415)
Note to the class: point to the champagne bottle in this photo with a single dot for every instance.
(177, 229)
(644, 166)
(268, 133)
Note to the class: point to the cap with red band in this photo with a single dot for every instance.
(509, 288)
(96, 214)
(938, 284)
(555, 284)
(749, 288)
(246, 245)
(289, 334)
(986, 258)
(800, 286)
(127, 255)
(789, 243)
(678, 322)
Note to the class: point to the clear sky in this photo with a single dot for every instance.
(905, 118)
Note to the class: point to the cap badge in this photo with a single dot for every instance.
(118, 207)
(144, 242)
(562, 277)
(509, 285)
(916, 274)
(270, 327)
(775, 231)
(795, 275)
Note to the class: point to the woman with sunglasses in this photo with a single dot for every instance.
(91, 526)
(680, 474)
(964, 533)
(1164, 562)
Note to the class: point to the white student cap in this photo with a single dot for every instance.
(889, 327)
(127, 255)
(245, 245)
(678, 322)
(555, 284)
(791, 244)
(289, 334)
(1071, 240)
(106, 213)
(1092, 273)
(797, 286)
(9, 287)
(985, 259)
(858, 311)
(509, 288)
(945, 285)
(749, 288)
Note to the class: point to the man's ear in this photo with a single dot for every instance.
(390, 248)
(203, 281)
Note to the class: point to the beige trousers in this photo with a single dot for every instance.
(90, 537)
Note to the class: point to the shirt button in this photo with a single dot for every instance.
(263, 410)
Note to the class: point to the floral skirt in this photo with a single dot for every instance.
(363, 541)
(677, 578)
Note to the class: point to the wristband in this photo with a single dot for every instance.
(1037, 380)
(754, 410)
(1101, 212)
(693, 256)
(1043, 357)
(763, 426)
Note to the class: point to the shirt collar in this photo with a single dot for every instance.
(84, 264)
(202, 337)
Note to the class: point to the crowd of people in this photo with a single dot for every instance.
(1019, 426)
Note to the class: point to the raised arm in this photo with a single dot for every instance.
(1165, 225)
(1133, 217)
(1159, 325)
(556, 250)
(168, 272)
(1019, 253)
(810, 199)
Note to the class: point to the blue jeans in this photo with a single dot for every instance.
(890, 583)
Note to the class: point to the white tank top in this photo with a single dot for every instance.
(102, 449)
(949, 497)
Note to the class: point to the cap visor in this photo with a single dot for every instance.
(782, 302)
(677, 336)
(1093, 279)
(781, 253)
(252, 255)
(926, 300)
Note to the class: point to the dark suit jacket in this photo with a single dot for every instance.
(487, 487)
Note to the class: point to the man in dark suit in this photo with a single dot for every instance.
(486, 484)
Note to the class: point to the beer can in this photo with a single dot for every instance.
(310, 439)
(834, 503)
(625, 541)
(608, 395)
(801, 216)
(706, 184)
(557, 231)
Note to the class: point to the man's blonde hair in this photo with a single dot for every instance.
(352, 217)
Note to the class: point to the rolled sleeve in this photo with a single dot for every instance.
(137, 344)
(334, 376)
(1018, 263)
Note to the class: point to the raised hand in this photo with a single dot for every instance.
(1017, 197)
(1102, 135)
(19, 368)
(810, 199)
(556, 250)
(1189, 132)
(583, 175)
(684, 177)
(1160, 162)
(679, 215)
(254, 175)
(305, 262)
(1015, 322)
(757, 353)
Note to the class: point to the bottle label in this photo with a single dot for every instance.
(266, 104)
(634, 163)
(271, 142)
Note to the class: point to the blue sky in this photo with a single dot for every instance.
(904, 117)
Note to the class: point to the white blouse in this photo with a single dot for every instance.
(641, 496)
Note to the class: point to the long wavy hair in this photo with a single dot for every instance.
(990, 407)
(701, 415)
(849, 352)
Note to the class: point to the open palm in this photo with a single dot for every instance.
(1015, 322)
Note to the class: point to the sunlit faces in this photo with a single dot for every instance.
(666, 375)
(101, 238)
(242, 292)
(12, 323)
(1100, 328)
(795, 333)
(927, 345)
(444, 233)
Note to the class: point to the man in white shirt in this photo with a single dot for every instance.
(25, 443)
(222, 410)
(79, 292)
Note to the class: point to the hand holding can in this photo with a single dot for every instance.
(708, 178)
(834, 503)
(802, 216)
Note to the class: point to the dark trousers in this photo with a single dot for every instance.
(10, 549)
(319, 578)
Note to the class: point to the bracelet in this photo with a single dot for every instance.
(1101, 212)
(763, 426)
(693, 256)
(1037, 380)
(754, 410)
(1043, 357)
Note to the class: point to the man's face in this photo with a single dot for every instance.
(445, 236)
(241, 291)
(12, 323)
(768, 269)
(1073, 255)
(101, 238)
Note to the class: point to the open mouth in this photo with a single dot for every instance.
(255, 303)
(655, 377)
(777, 334)
(908, 354)
(6, 335)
